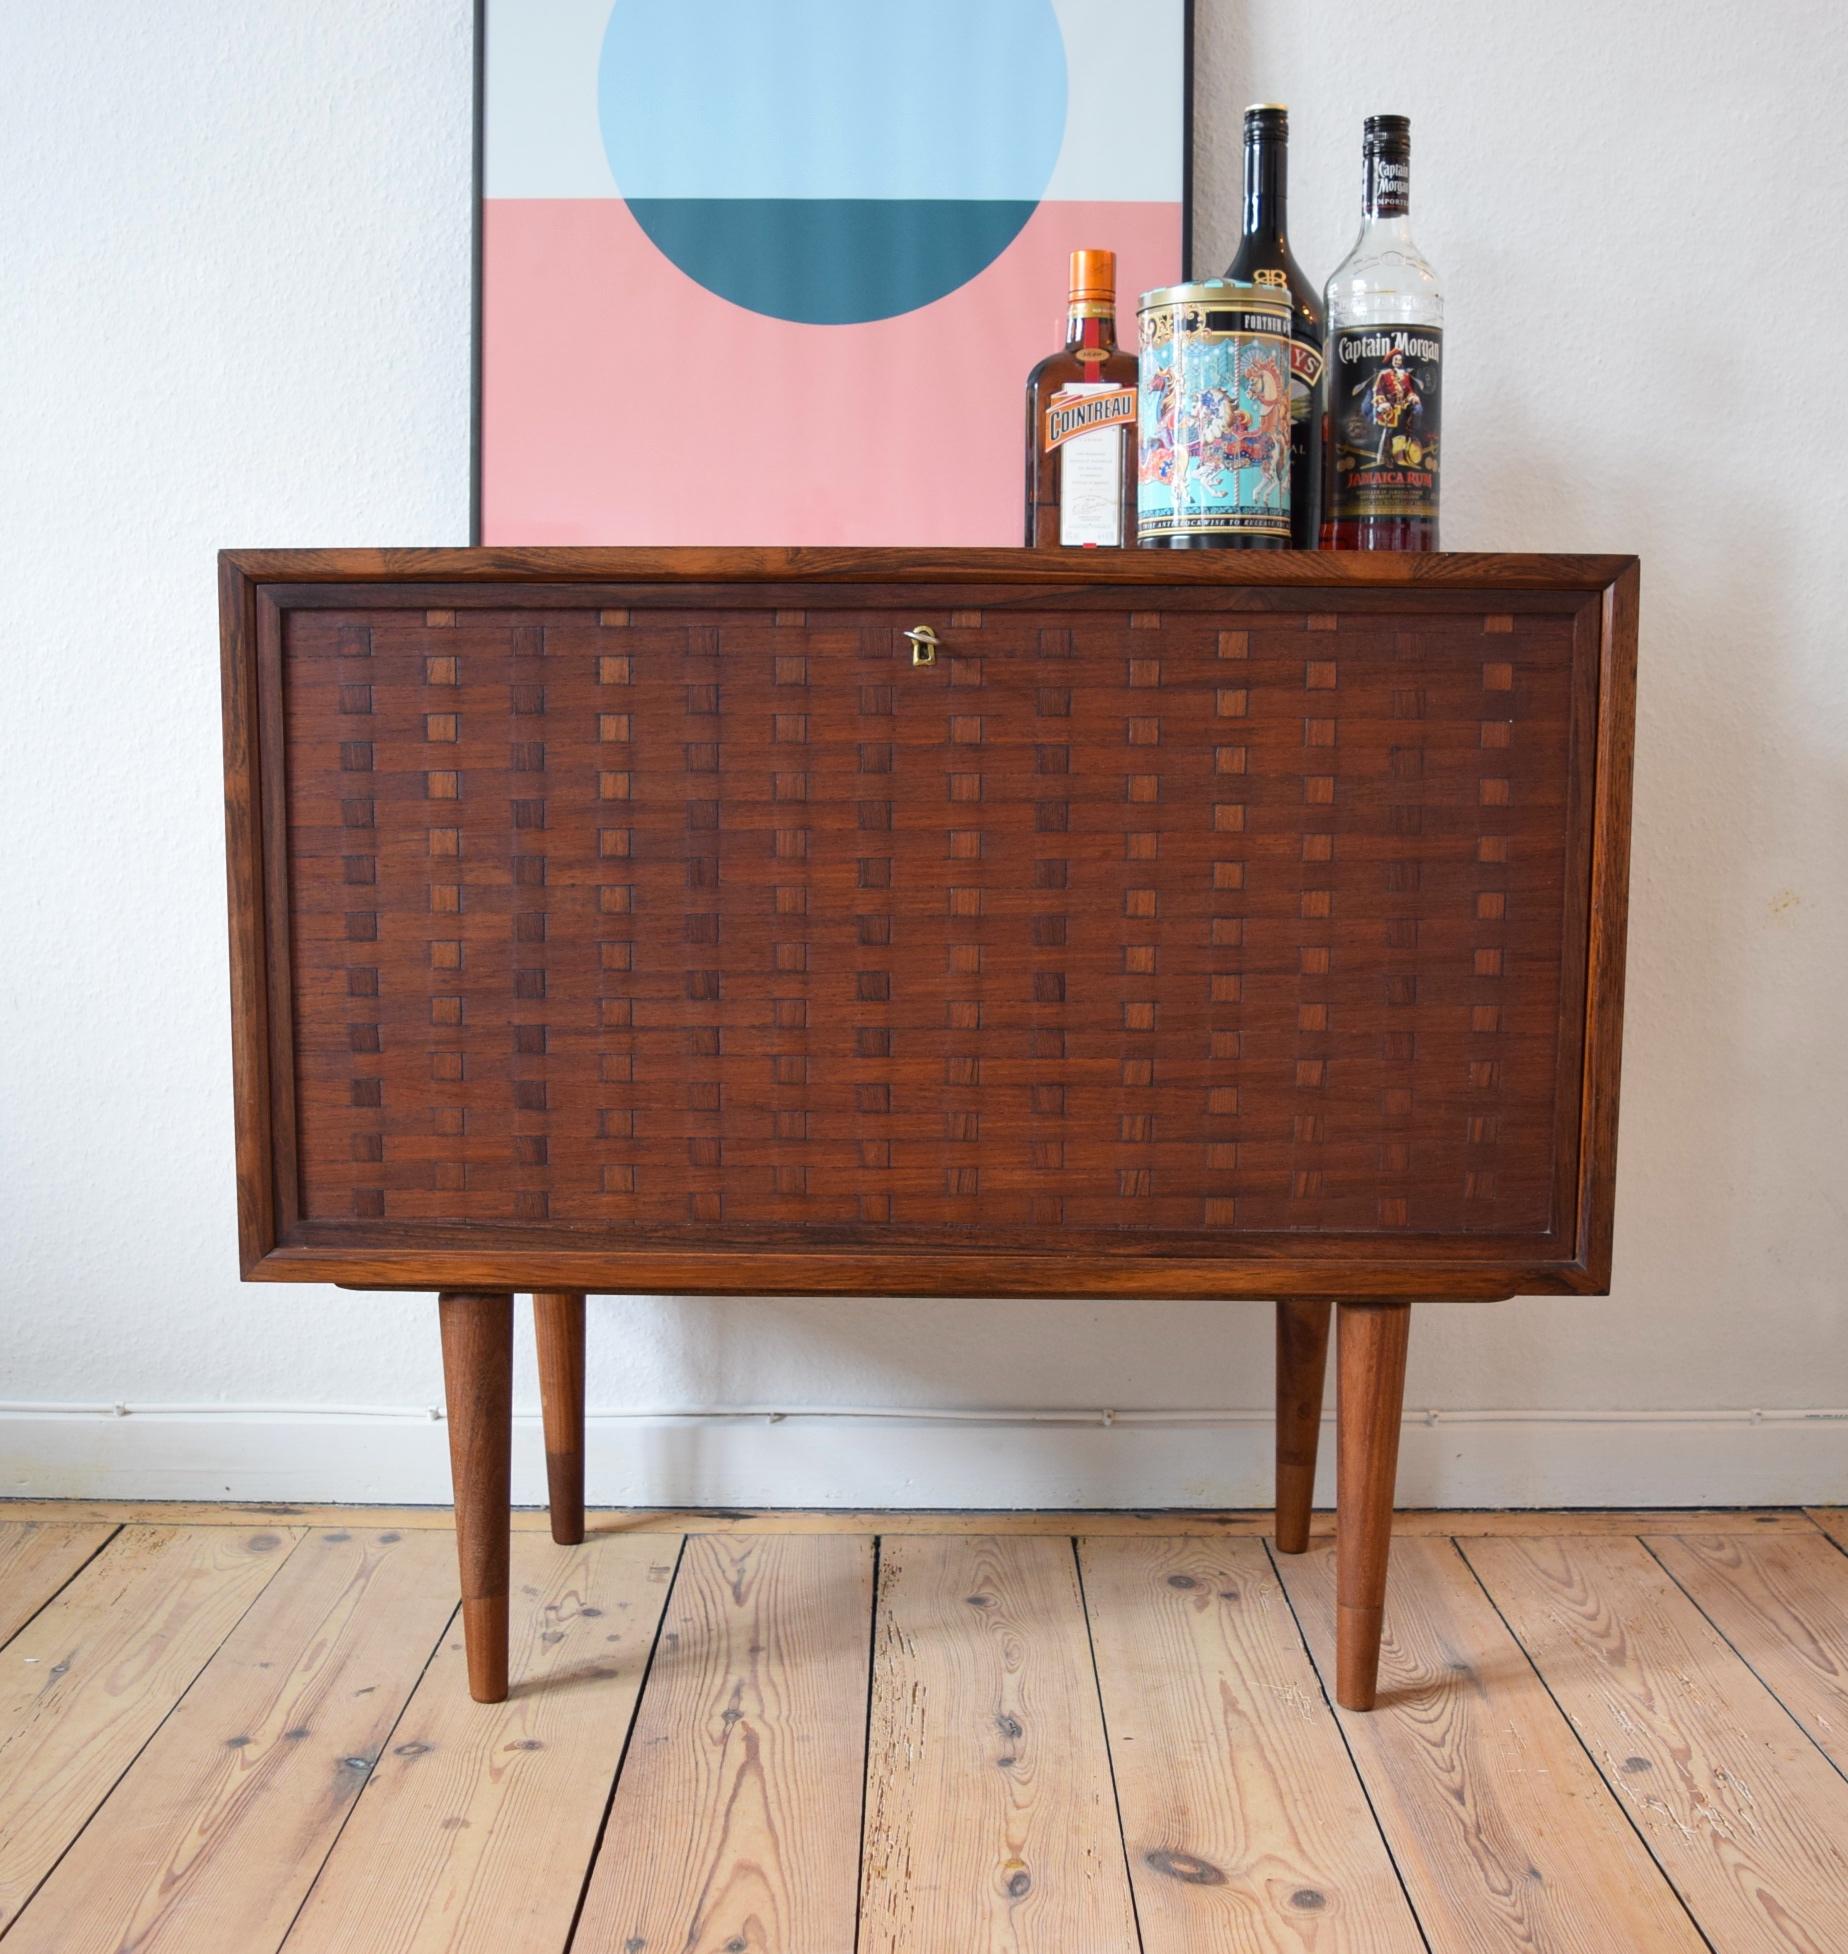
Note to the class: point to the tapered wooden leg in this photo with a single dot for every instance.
(558, 1326)
(1302, 1361)
(478, 1383)
(1369, 1399)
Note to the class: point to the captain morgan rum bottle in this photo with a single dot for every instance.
(1081, 416)
(1385, 377)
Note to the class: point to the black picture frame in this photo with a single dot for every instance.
(478, 150)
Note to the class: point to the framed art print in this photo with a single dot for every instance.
(774, 271)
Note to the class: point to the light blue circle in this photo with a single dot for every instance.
(832, 98)
(832, 160)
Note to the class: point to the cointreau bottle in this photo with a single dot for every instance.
(1264, 258)
(1385, 366)
(1081, 418)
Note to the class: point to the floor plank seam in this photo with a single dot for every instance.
(115, 1783)
(1840, 1546)
(866, 1746)
(1103, 1713)
(1618, 1796)
(1744, 1661)
(622, 1756)
(384, 1746)
(89, 1560)
(1360, 1776)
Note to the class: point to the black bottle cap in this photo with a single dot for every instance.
(1386, 166)
(1267, 119)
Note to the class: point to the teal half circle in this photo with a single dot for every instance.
(830, 261)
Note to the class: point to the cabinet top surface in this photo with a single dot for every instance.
(1283, 569)
(602, 922)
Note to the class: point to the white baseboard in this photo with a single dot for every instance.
(908, 1459)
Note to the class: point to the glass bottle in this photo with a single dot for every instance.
(1081, 416)
(1264, 257)
(1384, 381)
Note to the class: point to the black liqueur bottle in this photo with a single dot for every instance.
(1264, 258)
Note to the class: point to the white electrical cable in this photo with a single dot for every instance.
(929, 1414)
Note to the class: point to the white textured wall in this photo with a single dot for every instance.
(234, 300)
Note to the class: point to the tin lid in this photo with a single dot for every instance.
(1221, 291)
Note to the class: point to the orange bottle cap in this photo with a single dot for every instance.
(1094, 274)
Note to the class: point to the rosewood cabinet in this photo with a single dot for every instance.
(992, 923)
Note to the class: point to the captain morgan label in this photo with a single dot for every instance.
(1086, 421)
(1386, 407)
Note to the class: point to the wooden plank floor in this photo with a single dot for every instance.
(248, 1729)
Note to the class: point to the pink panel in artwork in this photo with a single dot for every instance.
(624, 404)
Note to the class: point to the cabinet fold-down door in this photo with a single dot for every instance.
(1189, 936)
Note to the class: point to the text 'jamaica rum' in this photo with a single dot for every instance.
(1081, 418)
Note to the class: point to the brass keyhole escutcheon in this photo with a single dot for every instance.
(923, 644)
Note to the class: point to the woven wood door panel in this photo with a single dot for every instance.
(1112, 926)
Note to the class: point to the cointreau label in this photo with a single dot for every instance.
(1087, 421)
(1078, 411)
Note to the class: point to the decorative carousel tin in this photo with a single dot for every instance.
(1214, 417)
